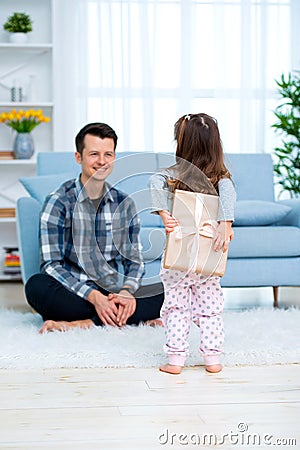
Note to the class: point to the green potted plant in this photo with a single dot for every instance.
(18, 25)
(287, 156)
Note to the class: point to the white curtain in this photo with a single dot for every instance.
(139, 65)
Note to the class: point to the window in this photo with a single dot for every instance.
(150, 61)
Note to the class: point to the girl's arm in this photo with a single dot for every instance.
(161, 199)
(168, 220)
(227, 200)
(225, 232)
(224, 235)
(159, 192)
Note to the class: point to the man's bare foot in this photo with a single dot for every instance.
(214, 368)
(169, 368)
(52, 325)
(154, 323)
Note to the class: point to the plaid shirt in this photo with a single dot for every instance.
(81, 247)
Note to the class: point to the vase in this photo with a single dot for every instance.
(23, 146)
(18, 38)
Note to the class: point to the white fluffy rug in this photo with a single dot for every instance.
(253, 337)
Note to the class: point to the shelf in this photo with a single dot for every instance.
(22, 162)
(26, 105)
(10, 277)
(30, 47)
(7, 220)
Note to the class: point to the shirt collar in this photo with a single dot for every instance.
(82, 195)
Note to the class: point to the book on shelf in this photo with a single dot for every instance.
(7, 212)
(12, 265)
(12, 271)
(12, 260)
(6, 154)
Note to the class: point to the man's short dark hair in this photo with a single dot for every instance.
(101, 130)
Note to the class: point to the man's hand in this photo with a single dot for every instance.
(126, 306)
(223, 236)
(169, 221)
(106, 309)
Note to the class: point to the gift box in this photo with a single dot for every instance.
(190, 245)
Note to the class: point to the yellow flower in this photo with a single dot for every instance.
(23, 121)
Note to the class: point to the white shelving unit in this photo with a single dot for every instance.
(29, 66)
(10, 190)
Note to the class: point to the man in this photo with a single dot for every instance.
(85, 227)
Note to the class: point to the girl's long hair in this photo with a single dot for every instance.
(199, 146)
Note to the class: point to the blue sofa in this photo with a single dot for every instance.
(266, 247)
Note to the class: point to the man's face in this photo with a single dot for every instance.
(97, 158)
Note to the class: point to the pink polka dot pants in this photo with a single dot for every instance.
(192, 298)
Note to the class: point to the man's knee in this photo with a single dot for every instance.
(34, 287)
(150, 291)
(149, 302)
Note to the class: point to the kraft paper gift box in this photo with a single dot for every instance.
(190, 245)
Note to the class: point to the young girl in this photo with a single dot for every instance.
(192, 297)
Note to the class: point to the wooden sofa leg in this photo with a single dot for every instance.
(275, 296)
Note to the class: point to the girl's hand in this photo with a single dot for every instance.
(169, 221)
(223, 236)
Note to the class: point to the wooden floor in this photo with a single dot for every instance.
(242, 407)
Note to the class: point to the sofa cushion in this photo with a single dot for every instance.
(137, 188)
(252, 213)
(153, 242)
(39, 187)
(128, 167)
(252, 174)
(152, 269)
(165, 160)
(261, 272)
(53, 163)
(265, 242)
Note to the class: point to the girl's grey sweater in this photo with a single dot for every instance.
(162, 197)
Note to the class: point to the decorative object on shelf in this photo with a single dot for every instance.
(12, 264)
(16, 92)
(23, 146)
(23, 122)
(18, 25)
(287, 163)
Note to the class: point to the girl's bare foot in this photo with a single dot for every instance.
(52, 325)
(215, 368)
(169, 368)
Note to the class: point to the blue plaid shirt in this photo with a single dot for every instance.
(81, 246)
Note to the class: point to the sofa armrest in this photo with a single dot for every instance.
(28, 217)
(293, 217)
